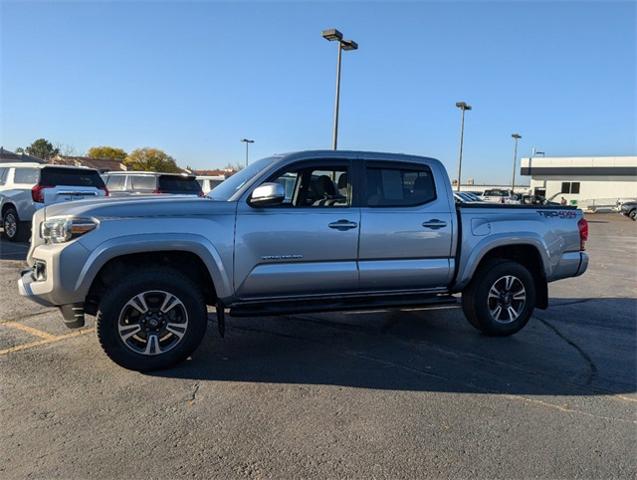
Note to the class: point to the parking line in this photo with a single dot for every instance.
(38, 343)
(30, 330)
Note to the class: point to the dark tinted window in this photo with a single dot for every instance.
(3, 175)
(175, 183)
(140, 183)
(71, 176)
(325, 186)
(26, 175)
(495, 193)
(566, 187)
(399, 187)
(116, 182)
(575, 187)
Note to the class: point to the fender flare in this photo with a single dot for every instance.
(144, 243)
(469, 266)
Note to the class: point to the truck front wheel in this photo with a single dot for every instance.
(500, 299)
(152, 319)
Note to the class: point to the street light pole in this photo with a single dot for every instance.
(334, 35)
(462, 106)
(247, 141)
(516, 137)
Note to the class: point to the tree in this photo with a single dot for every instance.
(152, 160)
(43, 149)
(111, 153)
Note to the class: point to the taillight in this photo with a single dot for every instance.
(157, 190)
(201, 194)
(37, 193)
(106, 192)
(582, 225)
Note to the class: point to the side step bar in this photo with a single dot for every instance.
(290, 307)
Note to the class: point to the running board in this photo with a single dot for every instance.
(291, 307)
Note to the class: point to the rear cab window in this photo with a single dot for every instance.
(400, 186)
(77, 177)
(178, 184)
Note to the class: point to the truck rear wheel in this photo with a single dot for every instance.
(153, 319)
(500, 299)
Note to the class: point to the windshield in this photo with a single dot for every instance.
(229, 187)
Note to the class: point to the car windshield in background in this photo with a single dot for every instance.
(26, 175)
(230, 186)
(176, 183)
(52, 176)
(495, 193)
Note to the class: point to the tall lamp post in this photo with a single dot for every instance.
(334, 35)
(247, 141)
(516, 137)
(463, 106)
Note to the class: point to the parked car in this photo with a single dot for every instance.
(122, 184)
(27, 187)
(208, 182)
(497, 195)
(355, 230)
(629, 209)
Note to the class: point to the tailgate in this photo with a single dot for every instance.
(65, 193)
(62, 184)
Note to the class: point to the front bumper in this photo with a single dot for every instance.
(26, 284)
(72, 313)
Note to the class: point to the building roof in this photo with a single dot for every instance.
(8, 156)
(100, 164)
(583, 166)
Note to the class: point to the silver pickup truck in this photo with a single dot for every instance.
(309, 231)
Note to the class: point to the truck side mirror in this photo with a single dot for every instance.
(267, 195)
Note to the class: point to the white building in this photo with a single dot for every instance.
(583, 181)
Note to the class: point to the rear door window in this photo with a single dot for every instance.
(175, 183)
(3, 175)
(26, 175)
(399, 187)
(79, 177)
(143, 183)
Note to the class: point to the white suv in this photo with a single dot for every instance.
(26, 187)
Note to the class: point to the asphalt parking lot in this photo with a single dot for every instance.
(416, 394)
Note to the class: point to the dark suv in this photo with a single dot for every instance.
(147, 183)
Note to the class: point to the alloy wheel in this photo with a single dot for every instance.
(152, 322)
(10, 225)
(506, 299)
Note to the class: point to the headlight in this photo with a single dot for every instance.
(63, 229)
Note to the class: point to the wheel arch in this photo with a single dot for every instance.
(529, 254)
(195, 259)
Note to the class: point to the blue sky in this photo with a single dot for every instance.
(195, 78)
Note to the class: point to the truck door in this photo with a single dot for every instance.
(307, 245)
(406, 228)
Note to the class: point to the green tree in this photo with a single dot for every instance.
(151, 160)
(111, 153)
(43, 149)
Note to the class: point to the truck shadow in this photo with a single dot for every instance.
(577, 347)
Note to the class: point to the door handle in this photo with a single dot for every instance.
(434, 224)
(343, 225)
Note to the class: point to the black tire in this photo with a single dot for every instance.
(633, 215)
(13, 229)
(481, 309)
(112, 318)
